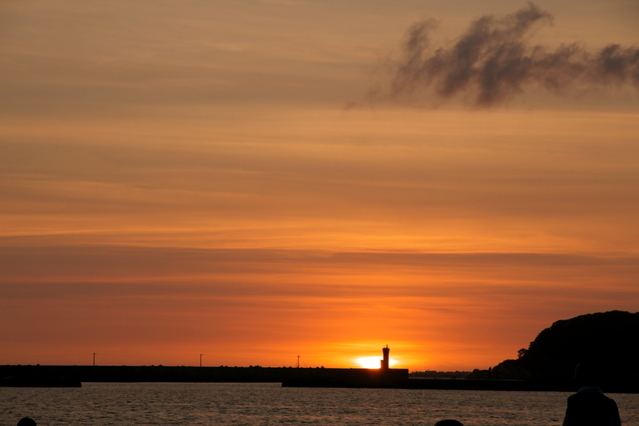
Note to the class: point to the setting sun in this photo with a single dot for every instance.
(372, 362)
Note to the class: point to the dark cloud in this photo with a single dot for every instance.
(494, 60)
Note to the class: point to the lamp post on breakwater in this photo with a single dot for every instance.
(201, 360)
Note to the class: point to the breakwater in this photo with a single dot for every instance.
(49, 375)
(65, 375)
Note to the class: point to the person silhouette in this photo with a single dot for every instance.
(589, 406)
(27, 421)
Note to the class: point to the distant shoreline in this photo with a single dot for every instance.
(73, 376)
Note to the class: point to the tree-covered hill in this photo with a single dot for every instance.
(611, 339)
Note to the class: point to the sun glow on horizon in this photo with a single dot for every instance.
(372, 362)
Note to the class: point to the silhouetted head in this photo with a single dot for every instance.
(587, 374)
(27, 421)
(448, 422)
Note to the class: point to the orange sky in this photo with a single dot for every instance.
(215, 178)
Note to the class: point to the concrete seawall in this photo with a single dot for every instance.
(65, 375)
(13, 375)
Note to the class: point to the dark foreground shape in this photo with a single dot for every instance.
(448, 422)
(39, 382)
(589, 406)
(516, 385)
(72, 376)
(491, 385)
(349, 378)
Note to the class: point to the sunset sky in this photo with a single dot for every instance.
(254, 180)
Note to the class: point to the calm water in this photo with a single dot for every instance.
(269, 404)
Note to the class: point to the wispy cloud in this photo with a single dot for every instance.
(495, 60)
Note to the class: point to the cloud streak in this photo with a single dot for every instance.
(494, 60)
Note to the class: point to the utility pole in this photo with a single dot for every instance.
(298, 361)
(94, 359)
(201, 360)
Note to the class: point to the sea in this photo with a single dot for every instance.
(244, 404)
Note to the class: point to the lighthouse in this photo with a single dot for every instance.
(385, 362)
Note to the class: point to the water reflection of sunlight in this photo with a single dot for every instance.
(372, 362)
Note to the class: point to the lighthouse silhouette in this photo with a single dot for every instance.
(384, 361)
